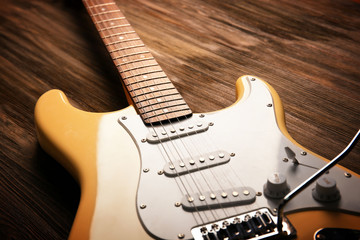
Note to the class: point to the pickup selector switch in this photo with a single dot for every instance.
(276, 186)
(325, 190)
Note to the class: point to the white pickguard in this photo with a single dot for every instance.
(248, 129)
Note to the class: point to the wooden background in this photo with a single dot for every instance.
(309, 52)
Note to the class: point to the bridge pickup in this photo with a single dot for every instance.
(180, 167)
(218, 199)
(175, 131)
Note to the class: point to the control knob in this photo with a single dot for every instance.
(276, 186)
(325, 190)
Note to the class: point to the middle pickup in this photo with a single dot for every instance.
(196, 163)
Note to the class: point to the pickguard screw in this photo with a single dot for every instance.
(177, 204)
(275, 210)
(202, 115)
(123, 118)
(161, 172)
(303, 153)
(253, 79)
(181, 235)
(285, 160)
(269, 105)
(232, 154)
(142, 206)
(348, 175)
(145, 170)
(258, 194)
(143, 140)
(211, 124)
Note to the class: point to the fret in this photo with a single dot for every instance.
(152, 90)
(139, 68)
(147, 97)
(137, 65)
(139, 79)
(121, 37)
(126, 48)
(125, 45)
(150, 83)
(102, 13)
(127, 75)
(165, 111)
(113, 27)
(109, 20)
(133, 59)
(129, 55)
(124, 41)
(101, 5)
(157, 106)
(118, 34)
(168, 117)
(153, 94)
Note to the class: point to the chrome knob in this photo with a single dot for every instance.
(276, 186)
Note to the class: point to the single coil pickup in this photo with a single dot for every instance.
(218, 199)
(247, 226)
(197, 163)
(175, 131)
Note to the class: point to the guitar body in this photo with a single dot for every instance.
(128, 190)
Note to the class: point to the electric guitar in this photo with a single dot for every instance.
(155, 170)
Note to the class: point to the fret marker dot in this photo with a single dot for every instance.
(121, 38)
(103, 9)
(142, 56)
(124, 60)
(152, 89)
(165, 110)
(144, 76)
(159, 99)
(112, 24)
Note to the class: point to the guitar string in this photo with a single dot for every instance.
(188, 152)
(182, 183)
(202, 175)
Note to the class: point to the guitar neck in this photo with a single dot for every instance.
(152, 93)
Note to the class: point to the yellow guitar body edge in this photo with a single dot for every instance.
(73, 138)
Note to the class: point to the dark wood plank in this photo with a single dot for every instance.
(309, 52)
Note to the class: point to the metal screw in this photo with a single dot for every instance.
(202, 115)
(269, 105)
(232, 154)
(145, 170)
(253, 79)
(142, 206)
(275, 210)
(143, 140)
(258, 194)
(303, 153)
(177, 204)
(285, 160)
(348, 175)
(181, 235)
(161, 172)
(123, 118)
(211, 124)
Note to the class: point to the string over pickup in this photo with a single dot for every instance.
(189, 165)
(175, 131)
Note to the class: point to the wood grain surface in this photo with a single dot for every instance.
(309, 52)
